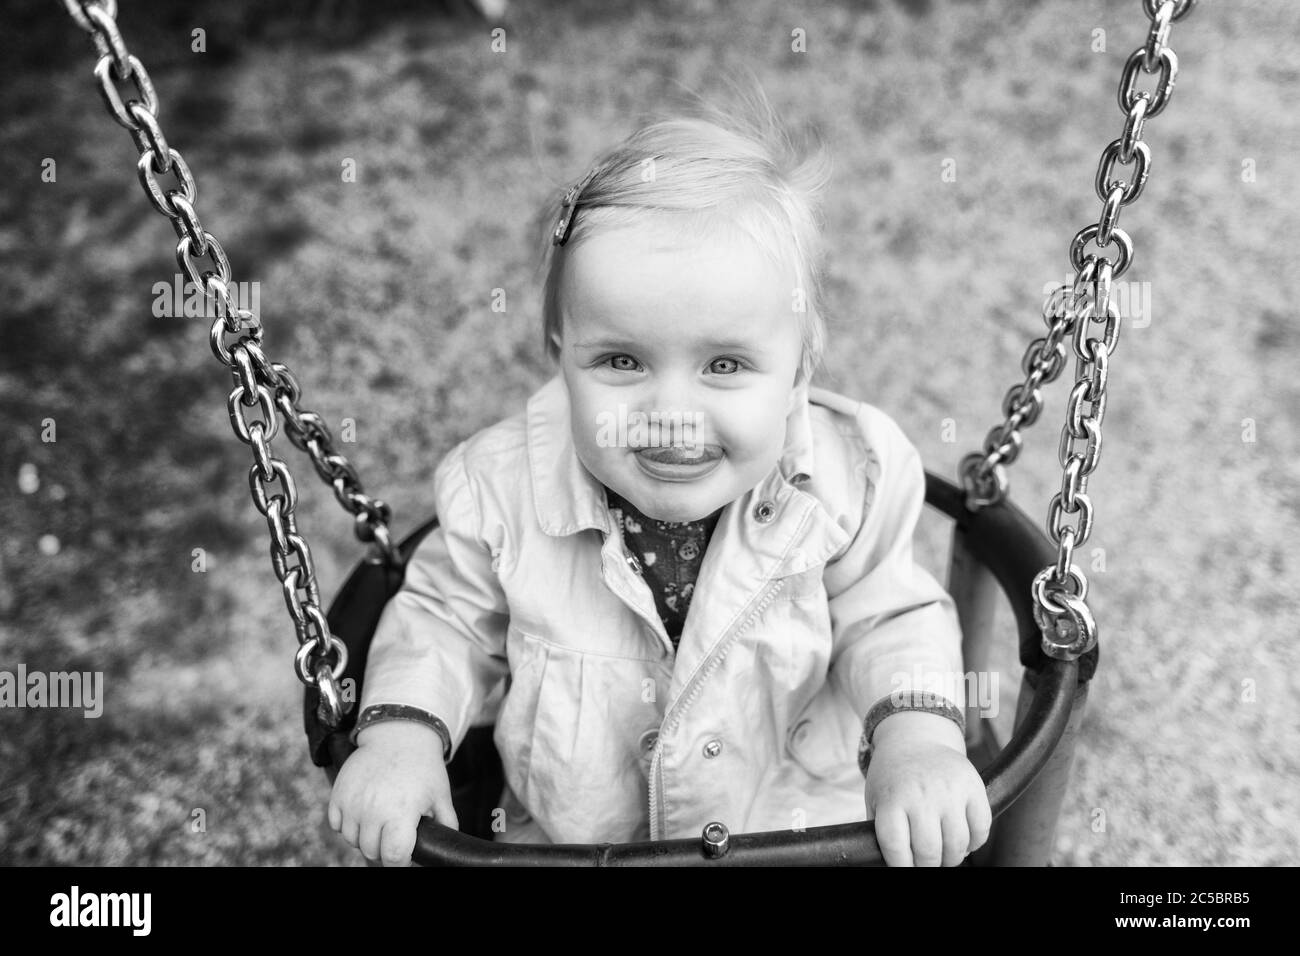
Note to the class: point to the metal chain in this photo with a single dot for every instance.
(984, 474)
(258, 382)
(1061, 589)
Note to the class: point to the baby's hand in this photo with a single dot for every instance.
(927, 799)
(395, 776)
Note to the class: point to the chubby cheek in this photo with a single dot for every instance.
(585, 404)
(753, 435)
(585, 416)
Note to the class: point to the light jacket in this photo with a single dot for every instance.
(809, 608)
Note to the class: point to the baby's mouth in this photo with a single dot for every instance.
(681, 455)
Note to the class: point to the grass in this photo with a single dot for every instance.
(377, 295)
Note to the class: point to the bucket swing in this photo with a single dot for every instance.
(995, 547)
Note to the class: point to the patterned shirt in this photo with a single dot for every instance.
(667, 555)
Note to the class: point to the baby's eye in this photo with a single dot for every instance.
(624, 363)
(728, 366)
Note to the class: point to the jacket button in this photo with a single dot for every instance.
(764, 511)
(648, 740)
(713, 748)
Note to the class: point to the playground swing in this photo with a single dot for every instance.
(994, 545)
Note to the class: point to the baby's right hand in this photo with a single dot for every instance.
(395, 776)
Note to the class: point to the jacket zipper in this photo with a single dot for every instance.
(697, 682)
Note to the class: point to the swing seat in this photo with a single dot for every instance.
(1000, 537)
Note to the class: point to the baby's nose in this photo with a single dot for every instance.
(671, 424)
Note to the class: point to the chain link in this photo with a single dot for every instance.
(984, 473)
(1085, 312)
(236, 341)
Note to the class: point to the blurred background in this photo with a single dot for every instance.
(378, 294)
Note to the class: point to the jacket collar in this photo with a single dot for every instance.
(568, 498)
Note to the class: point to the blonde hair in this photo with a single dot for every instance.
(705, 168)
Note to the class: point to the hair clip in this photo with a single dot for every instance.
(569, 209)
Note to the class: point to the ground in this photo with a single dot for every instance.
(378, 294)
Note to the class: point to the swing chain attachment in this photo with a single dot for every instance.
(1068, 627)
(259, 383)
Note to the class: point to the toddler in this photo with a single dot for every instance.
(680, 583)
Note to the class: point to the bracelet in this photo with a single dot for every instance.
(377, 713)
(917, 700)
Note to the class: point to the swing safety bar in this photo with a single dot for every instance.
(998, 539)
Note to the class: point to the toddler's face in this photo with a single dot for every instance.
(700, 333)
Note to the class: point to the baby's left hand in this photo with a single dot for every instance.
(927, 799)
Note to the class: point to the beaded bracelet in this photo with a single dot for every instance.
(917, 700)
(377, 713)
